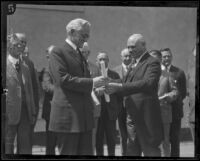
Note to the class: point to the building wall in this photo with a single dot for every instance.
(111, 26)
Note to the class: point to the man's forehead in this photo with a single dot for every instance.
(165, 53)
(21, 36)
(102, 56)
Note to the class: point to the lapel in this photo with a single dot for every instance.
(11, 70)
(133, 70)
(73, 53)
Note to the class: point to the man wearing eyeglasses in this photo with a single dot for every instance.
(20, 106)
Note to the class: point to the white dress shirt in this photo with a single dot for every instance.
(71, 44)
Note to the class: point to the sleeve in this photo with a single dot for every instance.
(183, 86)
(61, 75)
(147, 84)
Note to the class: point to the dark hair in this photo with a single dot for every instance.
(165, 49)
(156, 53)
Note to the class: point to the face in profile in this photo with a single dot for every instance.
(81, 36)
(136, 48)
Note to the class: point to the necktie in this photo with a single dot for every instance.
(17, 66)
(83, 61)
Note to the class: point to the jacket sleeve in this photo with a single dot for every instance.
(147, 84)
(61, 75)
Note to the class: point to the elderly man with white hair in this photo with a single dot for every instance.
(71, 116)
(20, 106)
(140, 87)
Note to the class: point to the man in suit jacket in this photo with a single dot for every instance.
(109, 112)
(48, 87)
(177, 105)
(144, 124)
(122, 71)
(20, 106)
(71, 114)
(167, 93)
(34, 76)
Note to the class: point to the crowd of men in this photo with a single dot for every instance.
(84, 101)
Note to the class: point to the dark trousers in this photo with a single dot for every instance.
(175, 137)
(50, 140)
(137, 144)
(75, 143)
(23, 131)
(123, 131)
(105, 127)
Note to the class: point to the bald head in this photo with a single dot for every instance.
(85, 50)
(16, 44)
(136, 45)
(102, 57)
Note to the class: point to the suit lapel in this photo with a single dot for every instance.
(72, 53)
(131, 73)
(11, 70)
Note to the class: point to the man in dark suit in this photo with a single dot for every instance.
(20, 106)
(109, 112)
(122, 71)
(34, 76)
(71, 114)
(144, 124)
(177, 105)
(48, 87)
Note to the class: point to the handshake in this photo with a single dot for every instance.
(106, 85)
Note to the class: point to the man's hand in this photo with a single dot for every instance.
(100, 91)
(113, 87)
(99, 81)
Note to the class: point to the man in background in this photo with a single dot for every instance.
(122, 71)
(48, 87)
(94, 71)
(106, 127)
(177, 105)
(20, 106)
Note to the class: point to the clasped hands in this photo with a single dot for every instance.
(106, 85)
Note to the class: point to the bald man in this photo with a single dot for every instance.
(140, 87)
(20, 105)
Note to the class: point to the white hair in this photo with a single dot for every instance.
(76, 24)
(137, 38)
(124, 51)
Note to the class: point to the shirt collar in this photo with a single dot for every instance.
(125, 66)
(71, 43)
(163, 67)
(12, 60)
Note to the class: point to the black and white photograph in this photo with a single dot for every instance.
(99, 80)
